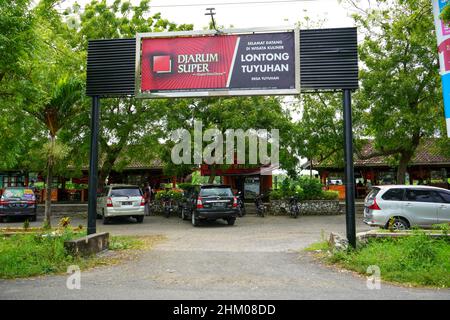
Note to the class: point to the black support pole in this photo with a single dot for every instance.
(349, 171)
(93, 166)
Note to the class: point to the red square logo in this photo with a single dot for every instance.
(162, 64)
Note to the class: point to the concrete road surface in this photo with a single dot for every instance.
(258, 258)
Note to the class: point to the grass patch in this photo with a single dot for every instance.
(29, 255)
(323, 245)
(133, 243)
(415, 260)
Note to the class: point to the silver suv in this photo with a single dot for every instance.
(120, 201)
(408, 205)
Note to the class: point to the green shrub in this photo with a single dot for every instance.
(417, 259)
(285, 186)
(28, 255)
(160, 194)
(444, 227)
(312, 188)
(305, 188)
(185, 185)
(174, 195)
(171, 194)
(329, 195)
(276, 195)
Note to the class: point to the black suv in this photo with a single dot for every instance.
(210, 202)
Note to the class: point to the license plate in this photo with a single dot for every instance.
(127, 203)
(218, 204)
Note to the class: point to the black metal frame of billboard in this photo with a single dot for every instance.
(328, 62)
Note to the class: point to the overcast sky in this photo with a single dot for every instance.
(245, 14)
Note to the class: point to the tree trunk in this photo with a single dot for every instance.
(212, 174)
(106, 168)
(405, 157)
(48, 187)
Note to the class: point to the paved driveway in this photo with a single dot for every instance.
(258, 258)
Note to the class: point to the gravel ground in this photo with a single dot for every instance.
(258, 258)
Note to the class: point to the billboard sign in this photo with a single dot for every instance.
(443, 42)
(199, 64)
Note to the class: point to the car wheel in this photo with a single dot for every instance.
(33, 218)
(400, 224)
(231, 221)
(106, 220)
(194, 220)
(139, 219)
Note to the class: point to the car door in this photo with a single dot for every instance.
(444, 207)
(393, 201)
(421, 206)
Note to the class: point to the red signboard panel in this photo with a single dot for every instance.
(186, 63)
(201, 64)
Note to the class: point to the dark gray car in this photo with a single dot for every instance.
(18, 202)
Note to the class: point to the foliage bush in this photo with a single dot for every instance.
(34, 254)
(330, 195)
(312, 188)
(304, 188)
(170, 194)
(417, 259)
(44, 253)
(185, 185)
(276, 194)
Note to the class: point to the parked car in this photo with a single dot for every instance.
(18, 201)
(121, 201)
(210, 202)
(407, 205)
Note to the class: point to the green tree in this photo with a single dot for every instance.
(320, 130)
(400, 92)
(232, 113)
(16, 36)
(130, 127)
(55, 88)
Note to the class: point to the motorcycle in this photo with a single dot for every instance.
(168, 207)
(241, 205)
(294, 209)
(260, 207)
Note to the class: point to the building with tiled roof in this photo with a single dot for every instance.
(429, 165)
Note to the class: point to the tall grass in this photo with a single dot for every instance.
(33, 254)
(415, 260)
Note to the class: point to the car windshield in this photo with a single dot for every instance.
(126, 192)
(18, 194)
(218, 192)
